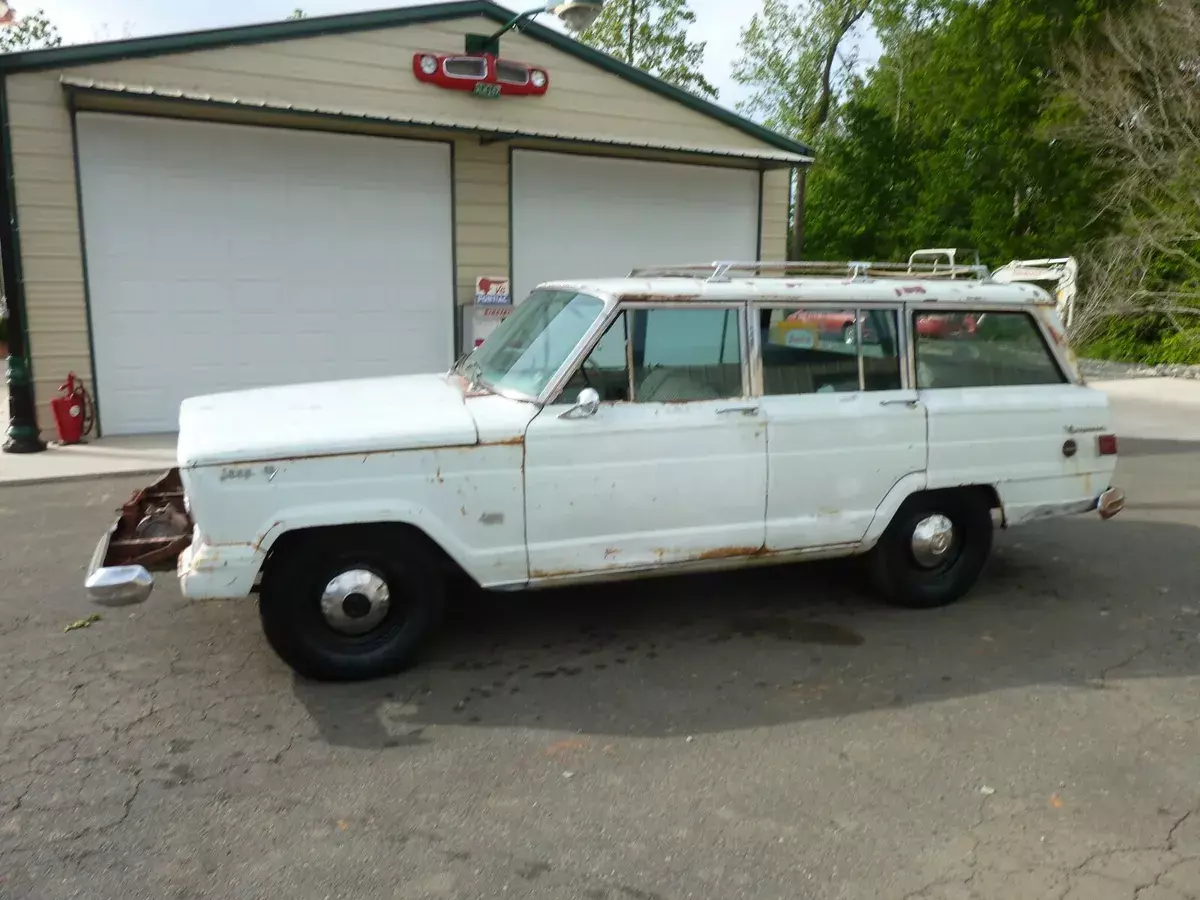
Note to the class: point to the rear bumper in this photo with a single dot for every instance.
(1110, 503)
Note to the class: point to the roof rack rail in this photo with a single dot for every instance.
(855, 271)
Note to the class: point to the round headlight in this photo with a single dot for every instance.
(538, 78)
(429, 65)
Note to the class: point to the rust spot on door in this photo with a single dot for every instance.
(730, 552)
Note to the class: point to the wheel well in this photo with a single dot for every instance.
(366, 531)
(986, 493)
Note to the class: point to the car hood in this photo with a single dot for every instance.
(408, 412)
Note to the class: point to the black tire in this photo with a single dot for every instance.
(297, 574)
(903, 581)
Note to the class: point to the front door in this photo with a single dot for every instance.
(841, 427)
(671, 467)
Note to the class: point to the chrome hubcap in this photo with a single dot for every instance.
(932, 540)
(355, 602)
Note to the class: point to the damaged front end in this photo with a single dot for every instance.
(153, 529)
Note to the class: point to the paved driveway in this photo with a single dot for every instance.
(773, 735)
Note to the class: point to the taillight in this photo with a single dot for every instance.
(1107, 444)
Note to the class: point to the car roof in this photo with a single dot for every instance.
(852, 292)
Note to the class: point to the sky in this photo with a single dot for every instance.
(719, 22)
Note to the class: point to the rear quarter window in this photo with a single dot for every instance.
(982, 349)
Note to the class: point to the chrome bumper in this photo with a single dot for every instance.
(1110, 503)
(116, 585)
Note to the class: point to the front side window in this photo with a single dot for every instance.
(981, 349)
(665, 355)
(816, 350)
(529, 347)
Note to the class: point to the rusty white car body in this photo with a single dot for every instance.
(670, 421)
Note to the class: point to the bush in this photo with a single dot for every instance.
(1150, 340)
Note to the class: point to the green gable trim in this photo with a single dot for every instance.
(111, 51)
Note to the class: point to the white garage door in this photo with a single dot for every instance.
(223, 257)
(586, 217)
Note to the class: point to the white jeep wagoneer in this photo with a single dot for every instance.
(676, 420)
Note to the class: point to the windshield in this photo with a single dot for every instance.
(529, 347)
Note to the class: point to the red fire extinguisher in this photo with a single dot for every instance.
(74, 414)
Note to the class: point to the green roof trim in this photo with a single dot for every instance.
(111, 51)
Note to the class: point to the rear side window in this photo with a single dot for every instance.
(981, 349)
(816, 350)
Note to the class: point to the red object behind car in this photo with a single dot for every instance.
(945, 325)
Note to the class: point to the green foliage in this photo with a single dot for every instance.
(653, 35)
(944, 142)
(31, 32)
(1144, 339)
(298, 13)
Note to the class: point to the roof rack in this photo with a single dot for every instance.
(854, 271)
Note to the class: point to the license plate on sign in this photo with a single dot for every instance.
(487, 91)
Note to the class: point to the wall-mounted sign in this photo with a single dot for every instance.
(483, 75)
(493, 303)
(492, 291)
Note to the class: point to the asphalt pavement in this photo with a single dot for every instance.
(777, 734)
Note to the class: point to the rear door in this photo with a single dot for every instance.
(843, 426)
(1002, 410)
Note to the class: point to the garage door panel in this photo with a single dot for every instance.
(223, 257)
(579, 216)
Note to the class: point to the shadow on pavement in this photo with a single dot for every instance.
(1069, 604)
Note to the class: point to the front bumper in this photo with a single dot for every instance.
(151, 531)
(116, 585)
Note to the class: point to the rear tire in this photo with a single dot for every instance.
(933, 567)
(351, 604)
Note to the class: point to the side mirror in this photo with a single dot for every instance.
(585, 407)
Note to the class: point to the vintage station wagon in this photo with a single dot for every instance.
(676, 420)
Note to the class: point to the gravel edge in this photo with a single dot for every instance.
(1105, 369)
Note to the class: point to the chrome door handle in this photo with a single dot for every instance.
(738, 410)
(911, 404)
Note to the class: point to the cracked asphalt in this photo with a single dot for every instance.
(777, 734)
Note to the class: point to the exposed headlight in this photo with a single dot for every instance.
(429, 65)
(538, 78)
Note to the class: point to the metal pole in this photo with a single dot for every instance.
(23, 436)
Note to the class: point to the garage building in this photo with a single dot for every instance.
(295, 201)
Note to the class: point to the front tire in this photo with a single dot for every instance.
(934, 550)
(351, 604)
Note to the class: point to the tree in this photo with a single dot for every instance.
(800, 59)
(794, 60)
(652, 35)
(31, 32)
(945, 141)
(298, 13)
(1129, 99)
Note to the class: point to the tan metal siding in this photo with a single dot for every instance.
(776, 201)
(366, 73)
(481, 213)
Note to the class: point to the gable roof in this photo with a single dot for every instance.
(111, 51)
